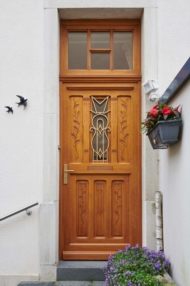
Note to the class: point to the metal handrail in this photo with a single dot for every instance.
(21, 210)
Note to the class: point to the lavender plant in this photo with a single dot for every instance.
(135, 266)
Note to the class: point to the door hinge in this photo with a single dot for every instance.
(59, 147)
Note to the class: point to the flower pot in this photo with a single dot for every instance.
(165, 133)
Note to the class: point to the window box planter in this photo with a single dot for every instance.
(165, 133)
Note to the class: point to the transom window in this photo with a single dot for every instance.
(100, 50)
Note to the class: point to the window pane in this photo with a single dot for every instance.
(77, 50)
(100, 61)
(123, 50)
(100, 129)
(100, 40)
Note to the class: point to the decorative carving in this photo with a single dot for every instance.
(117, 208)
(82, 208)
(123, 131)
(117, 193)
(100, 140)
(76, 126)
(82, 201)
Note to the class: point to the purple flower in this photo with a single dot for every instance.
(121, 262)
(166, 263)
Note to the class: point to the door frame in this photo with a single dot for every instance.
(49, 208)
(115, 76)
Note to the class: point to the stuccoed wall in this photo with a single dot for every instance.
(175, 182)
(21, 136)
(29, 162)
(173, 52)
(173, 39)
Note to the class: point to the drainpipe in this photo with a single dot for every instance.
(159, 228)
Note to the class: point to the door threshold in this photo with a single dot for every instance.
(80, 270)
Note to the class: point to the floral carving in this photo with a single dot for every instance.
(82, 202)
(117, 193)
(76, 126)
(123, 131)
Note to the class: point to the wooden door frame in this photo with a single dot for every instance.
(98, 25)
(92, 77)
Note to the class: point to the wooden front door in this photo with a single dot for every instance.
(100, 173)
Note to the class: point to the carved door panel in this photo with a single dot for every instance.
(100, 197)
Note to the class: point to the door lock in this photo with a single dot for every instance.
(65, 177)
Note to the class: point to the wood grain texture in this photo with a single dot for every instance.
(124, 129)
(99, 210)
(100, 207)
(103, 199)
(98, 168)
(117, 208)
(82, 208)
(88, 26)
(75, 119)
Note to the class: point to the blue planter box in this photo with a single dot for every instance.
(165, 133)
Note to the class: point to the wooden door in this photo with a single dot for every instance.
(100, 198)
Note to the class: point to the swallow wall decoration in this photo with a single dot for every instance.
(23, 101)
(9, 109)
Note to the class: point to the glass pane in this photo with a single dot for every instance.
(100, 61)
(123, 50)
(100, 129)
(100, 40)
(77, 50)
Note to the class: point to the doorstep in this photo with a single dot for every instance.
(81, 270)
(63, 283)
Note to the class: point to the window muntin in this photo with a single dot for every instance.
(100, 50)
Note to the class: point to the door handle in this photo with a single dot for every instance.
(65, 177)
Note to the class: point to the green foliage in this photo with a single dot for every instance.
(160, 112)
(135, 266)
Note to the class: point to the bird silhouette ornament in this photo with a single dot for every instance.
(9, 109)
(23, 101)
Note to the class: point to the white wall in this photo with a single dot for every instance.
(21, 135)
(173, 52)
(29, 160)
(175, 182)
(173, 39)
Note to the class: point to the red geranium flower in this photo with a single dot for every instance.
(154, 111)
(160, 112)
(166, 110)
(155, 106)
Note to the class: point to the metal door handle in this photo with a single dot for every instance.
(65, 178)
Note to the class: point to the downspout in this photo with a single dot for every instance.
(159, 226)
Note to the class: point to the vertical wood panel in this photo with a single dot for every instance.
(114, 126)
(117, 204)
(91, 208)
(124, 129)
(86, 130)
(99, 191)
(76, 129)
(82, 208)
